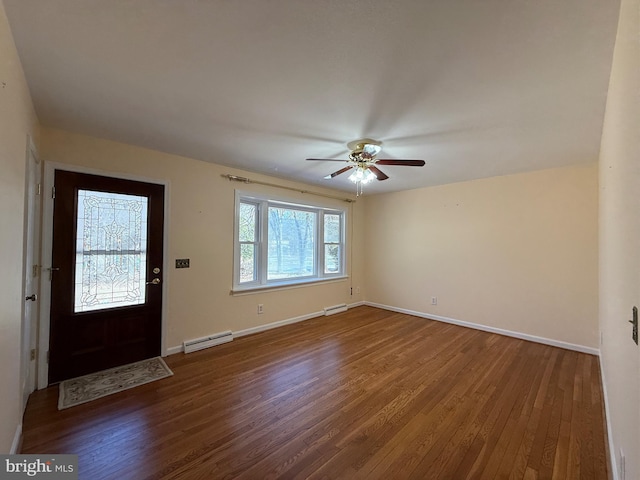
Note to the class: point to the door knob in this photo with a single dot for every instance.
(155, 281)
(33, 297)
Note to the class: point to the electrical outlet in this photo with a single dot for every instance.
(182, 263)
(260, 309)
(357, 290)
(434, 300)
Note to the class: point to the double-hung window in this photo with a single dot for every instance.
(281, 243)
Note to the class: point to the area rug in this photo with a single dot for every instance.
(100, 384)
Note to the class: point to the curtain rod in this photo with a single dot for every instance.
(235, 178)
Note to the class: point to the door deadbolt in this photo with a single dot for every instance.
(156, 270)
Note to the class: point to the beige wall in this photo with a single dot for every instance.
(620, 239)
(17, 120)
(201, 220)
(517, 252)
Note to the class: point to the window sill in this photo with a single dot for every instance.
(286, 285)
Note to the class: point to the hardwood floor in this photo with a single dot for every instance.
(365, 394)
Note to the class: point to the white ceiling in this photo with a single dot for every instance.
(475, 88)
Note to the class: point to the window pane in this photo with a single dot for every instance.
(111, 250)
(291, 243)
(331, 228)
(331, 258)
(247, 263)
(247, 222)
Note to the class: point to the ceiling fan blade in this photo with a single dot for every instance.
(327, 160)
(378, 173)
(335, 174)
(408, 163)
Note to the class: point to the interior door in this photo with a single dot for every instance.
(106, 274)
(30, 274)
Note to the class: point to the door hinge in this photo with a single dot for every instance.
(33, 354)
(47, 356)
(634, 331)
(53, 192)
(38, 188)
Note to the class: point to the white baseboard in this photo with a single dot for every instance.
(485, 328)
(16, 440)
(612, 452)
(281, 323)
(268, 326)
(263, 328)
(174, 350)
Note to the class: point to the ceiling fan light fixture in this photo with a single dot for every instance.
(371, 149)
(364, 151)
(362, 175)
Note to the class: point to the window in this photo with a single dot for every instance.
(283, 243)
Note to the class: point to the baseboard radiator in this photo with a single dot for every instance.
(206, 342)
(335, 309)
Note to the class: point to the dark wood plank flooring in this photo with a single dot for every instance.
(365, 394)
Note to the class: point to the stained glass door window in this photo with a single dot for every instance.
(111, 250)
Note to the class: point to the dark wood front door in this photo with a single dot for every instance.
(106, 279)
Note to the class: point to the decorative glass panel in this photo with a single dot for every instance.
(111, 250)
(291, 243)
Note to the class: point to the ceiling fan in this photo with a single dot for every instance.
(362, 160)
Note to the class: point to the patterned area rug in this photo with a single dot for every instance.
(97, 385)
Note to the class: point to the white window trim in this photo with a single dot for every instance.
(261, 282)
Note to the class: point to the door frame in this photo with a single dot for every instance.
(47, 250)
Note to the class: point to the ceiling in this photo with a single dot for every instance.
(475, 88)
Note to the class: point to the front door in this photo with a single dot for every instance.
(106, 275)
